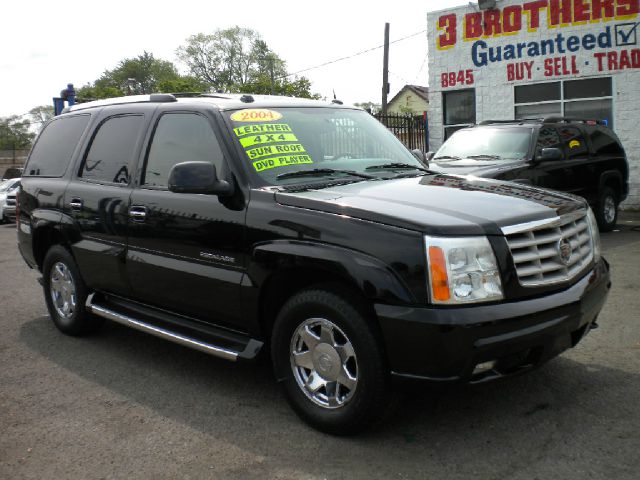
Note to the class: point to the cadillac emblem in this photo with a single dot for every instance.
(564, 251)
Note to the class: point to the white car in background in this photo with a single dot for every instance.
(7, 187)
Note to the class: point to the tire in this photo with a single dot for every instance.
(607, 209)
(340, 382)
(65, 294)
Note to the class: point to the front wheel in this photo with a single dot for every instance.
(327, 352)
(607, 210)
(65, 294)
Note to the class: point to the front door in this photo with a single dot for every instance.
(185, 250)
(553, 174)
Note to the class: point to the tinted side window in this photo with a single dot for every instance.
(604, 144)
(547, 138)
(55, 145)
(574, 142)
(180, 137)
(112, 150)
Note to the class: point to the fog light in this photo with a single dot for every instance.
(484, 367)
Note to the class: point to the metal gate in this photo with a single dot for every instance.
(410, 129)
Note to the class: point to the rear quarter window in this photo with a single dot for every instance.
(55, 145)
(604, 143)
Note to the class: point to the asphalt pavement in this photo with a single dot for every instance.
(122, 404)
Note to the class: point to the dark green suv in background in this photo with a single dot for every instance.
(582, 157)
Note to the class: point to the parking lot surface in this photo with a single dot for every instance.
(122, 404)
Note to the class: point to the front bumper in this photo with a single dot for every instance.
(9, 212)
(447, 344)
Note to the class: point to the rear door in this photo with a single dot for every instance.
(97, 197)
(185, 250)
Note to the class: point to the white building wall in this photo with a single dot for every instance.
(495, 91)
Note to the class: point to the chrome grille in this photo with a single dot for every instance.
(540, 250)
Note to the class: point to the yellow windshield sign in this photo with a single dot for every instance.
(267, 138)
(265, 128)
(270, 150)
(282, 161)
(256, 115)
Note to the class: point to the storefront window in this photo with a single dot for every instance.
(598, 109)
(590, 88)
(459, 110)
(539, 110)
(539, 92)
(589, 99)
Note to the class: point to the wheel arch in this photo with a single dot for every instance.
(282, 268)
(612, 179)
(49, 228)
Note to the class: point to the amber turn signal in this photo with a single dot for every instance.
(439, 278)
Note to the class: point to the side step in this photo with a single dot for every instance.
(105, 309)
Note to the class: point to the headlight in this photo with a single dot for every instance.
(595, 235)
(462, 270)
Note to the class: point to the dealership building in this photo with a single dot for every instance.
(497, 60)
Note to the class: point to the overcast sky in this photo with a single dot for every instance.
(47, 44)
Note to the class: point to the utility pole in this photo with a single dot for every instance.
(273, 80)
(385, 70)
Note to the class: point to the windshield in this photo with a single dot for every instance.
(305, 145)
(489, 143)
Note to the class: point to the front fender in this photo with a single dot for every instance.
(375, 279)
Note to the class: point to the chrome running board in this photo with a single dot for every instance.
(161, 332)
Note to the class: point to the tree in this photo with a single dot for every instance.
(186, 83)
(138, 75)
(143, 74)
(238, 60)
(40, 115)
(15, 133)
(96, 92)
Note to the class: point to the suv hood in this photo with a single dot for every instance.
(480, 168)
(437, 204)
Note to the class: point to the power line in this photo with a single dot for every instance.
(400, 77)
(424, 62)
(353, 55)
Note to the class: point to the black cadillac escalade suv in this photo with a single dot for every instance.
(235, 223)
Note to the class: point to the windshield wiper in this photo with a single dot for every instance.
(321, 172)
(448, 157)
(493, 157)
(397, 166)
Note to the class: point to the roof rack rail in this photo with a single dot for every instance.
(215, 95)
(518, 121)
(152, 98)
(589, 121)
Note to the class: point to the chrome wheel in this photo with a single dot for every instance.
(609, 209)
(63, 290)
(324, 363)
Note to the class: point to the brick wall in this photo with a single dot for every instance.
(495, 90)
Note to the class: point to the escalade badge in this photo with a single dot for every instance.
(217, 258)
(564, 250)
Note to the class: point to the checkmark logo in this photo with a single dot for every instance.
(627, 34)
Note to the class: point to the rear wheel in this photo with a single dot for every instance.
(607, 209)
(330, 359)
(66, 293)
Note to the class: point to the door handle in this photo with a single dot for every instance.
(138, 213)
(76, 204)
